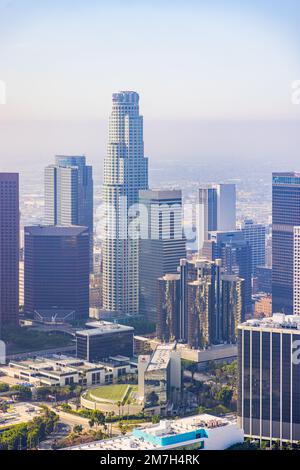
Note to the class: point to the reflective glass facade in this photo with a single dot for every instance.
(69, 194)
(163, 247)
(9, 249)
(269, 383)
(232, 307)
(156, 387)
(285, 215)
(94, 347)
(168, 308)
(56, 274)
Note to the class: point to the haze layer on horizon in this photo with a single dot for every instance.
(214, 78)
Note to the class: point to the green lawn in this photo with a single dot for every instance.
(113, 392)
(110, 392)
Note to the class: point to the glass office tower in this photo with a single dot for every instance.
(69, 194)
(285, 216)
(216, 210)
(212, 303)
(269, 378)
(236, 255)
(9, 249)
(162, 245)
(255, 234)
(232, 307)
(168, 308)
(56, 273)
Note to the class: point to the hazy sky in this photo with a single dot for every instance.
(191, 61)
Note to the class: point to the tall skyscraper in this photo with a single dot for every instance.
(168, 308)
(57, 272)
(125, 174)
(296, 280)
(235, 253)
(69, 194)
(216, 210)
(285, 216)
(255, 234)
(200, 307)
(9, 249)
(215, 305)
(162, 245)
(232, 307)
(269, 378)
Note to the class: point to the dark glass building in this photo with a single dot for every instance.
(285, 216)
(236, 255)
(110, 339)
(212, 303)
(255, 234)
(69, 194)
(168, 308)
(200, 308)
(269, 378)
(232, 307)
(162, 245)
(57, 270)
(264, 279)
(199, 312)
(9, 249)
(188, 273)
(208, 273)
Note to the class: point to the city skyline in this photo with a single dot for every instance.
(149, 228)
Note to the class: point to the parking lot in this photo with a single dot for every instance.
(18, 413)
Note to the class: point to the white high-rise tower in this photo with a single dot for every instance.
(125, 173)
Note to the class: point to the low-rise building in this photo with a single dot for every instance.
(104, 339)
(218, 353)
(263, 305)
(159, 377)
(63, 370)
(201, 432)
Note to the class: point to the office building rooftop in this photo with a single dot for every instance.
(103, 328)
(161, 357)
(54, 230)
(201, 431)
(277, 321)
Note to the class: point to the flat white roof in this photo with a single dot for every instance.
(162, 429)
(161, 357)
(102, 328)
(278, 321)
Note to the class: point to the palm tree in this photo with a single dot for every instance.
(112, 414)
(119, 406)
(92, 422)
(128, 404)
